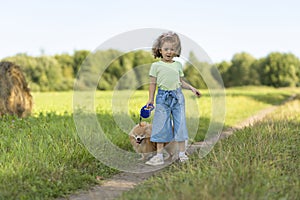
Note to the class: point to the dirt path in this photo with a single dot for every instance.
(113, 187)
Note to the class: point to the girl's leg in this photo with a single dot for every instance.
(180, 128)
(158, 159)
(182, 155)
(160, 147)
(181, 146)
(159, 152)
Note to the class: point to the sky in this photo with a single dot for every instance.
(222, 28)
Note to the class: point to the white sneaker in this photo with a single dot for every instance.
(155, 160)
(183, 158)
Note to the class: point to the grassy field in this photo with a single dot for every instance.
(42, 157)
(260, 162)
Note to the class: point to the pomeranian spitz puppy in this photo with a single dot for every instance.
(140, 139)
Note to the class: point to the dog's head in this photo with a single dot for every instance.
(140, 132)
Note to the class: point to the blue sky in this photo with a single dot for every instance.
(221, 28)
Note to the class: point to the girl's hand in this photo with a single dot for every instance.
(150, 102)
(196, 92)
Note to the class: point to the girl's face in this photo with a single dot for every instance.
(168, 52)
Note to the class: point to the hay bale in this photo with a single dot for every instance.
(15, 97)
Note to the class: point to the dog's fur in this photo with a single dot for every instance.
(15, 97)
(140, 139)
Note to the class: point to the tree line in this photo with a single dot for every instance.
(113, 69)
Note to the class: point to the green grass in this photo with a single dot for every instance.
(42, 157)
(260, 162)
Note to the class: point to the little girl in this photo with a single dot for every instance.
(167, 74)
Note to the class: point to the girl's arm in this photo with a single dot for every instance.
(185, 85)
(152, 88)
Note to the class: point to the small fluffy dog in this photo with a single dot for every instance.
(140, 139)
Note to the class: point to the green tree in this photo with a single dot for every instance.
(66, 63)
(100, 68)
(51, 74)
(141, 64)
(241, 71)
(127, 78)
(126, 70)
(280, 70)
(223, 67)
(193, 76)
(78, 58)
(199, 73)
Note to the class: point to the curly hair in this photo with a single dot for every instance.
(166, 37)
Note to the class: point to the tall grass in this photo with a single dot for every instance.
(259, 162)
(42, 157)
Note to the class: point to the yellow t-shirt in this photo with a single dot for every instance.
(167, 74)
